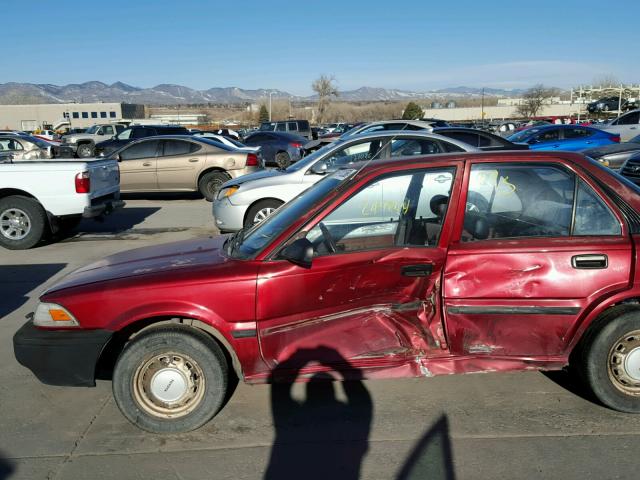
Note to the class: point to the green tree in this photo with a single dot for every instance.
(412, 112)
(263, 114)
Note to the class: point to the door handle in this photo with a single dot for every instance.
(147, 164)
(590, 261)
(422, 270)
(193, 160)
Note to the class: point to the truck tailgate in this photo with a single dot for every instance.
(104, 176)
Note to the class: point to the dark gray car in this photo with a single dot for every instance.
(615, 155)
(278, 148)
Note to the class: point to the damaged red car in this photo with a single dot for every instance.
(457, 263)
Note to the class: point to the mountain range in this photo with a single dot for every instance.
(14, 93)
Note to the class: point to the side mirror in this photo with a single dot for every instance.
(299, 253)
(118, 157)
(319, 168)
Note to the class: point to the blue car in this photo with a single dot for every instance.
(564, 137)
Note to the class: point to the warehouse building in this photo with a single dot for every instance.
(60, 116)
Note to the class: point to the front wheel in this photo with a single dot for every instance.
(170, 380)
(611, 362)
(85, 150)
(260, 211)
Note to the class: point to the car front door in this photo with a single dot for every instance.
(178, 165)
(538, 245)
(138, 166)
(548, 139)
(372, 292)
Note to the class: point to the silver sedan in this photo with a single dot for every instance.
(249, 199)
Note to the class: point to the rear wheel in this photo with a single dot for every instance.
(170, 380)
(610, 362)
(85, 150)
(23, 222)
(210, 183)
(260, 211)
(283, 160)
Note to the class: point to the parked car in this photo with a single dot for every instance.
(24, 147)
(614, 156)
(229, 133)
(479, 138)
(134, 132)
(180, 163)
(229, 142)
(339, 130)
(404, 268)
(277, 148)
(47, 135)
(373, 127)
(249, 200)
(83, 145)
(42, 196)
(631, 168)
(604, 104)
(627, 125)
(564, 137)
(631, 104)
(297, 127)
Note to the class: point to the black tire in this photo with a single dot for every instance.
(257, 208)
(607, 379)
(210, 183)
(283, 160)
(34, 220)
(85, 150)
(200, 351)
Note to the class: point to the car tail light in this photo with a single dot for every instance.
(83, 183)
(616, 138)
(296, 145)
(252, 160)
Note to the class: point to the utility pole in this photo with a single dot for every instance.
(270, 93)
(482, 107)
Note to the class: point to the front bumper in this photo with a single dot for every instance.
(60, 357)
(228, 217)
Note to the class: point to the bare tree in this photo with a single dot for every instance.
(606, 81)
(325, 87)
(533, 99)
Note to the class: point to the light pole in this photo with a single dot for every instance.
(270, 93)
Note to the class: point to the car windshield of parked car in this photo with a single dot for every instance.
(92, 130)
(524, 135)
(246, 245)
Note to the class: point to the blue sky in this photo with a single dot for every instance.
(416, 45)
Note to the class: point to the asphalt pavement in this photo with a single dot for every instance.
(481, 426)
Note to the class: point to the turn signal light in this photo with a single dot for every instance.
(59, 316)
(252, 160)
(83, 183)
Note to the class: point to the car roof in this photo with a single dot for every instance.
(405, 134)
(287, 135)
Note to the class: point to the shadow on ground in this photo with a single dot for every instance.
(119, 221)
(6, 468)
(570, 381)
(18, 280)
(323, 437)
(162, 196)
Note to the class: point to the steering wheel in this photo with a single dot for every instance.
(327, 239)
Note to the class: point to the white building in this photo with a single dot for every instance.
(56, 116)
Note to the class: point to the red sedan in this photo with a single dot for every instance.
(455, 263)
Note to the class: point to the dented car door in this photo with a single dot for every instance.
(373, 290)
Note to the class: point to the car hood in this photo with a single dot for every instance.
(261, 175)
(610, 149)
(184, 255)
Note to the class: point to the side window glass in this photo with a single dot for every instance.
(391, 212)
(125, 134)
(593, 217)
(355, 153)
(549, 135)
(107, 130)
(630, 119)
(413, 147)
(576, 133)
(292, 126)
(176, 147)
(510, 201)
(281, 127)
(140, 150)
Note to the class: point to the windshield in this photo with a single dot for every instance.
(38, 141)
(309, 160)
(259, 236)
(93, 129)
(523, 135)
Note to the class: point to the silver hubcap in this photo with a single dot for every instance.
(624, 363)
(15, 224)
(262, 214)
(169, 385)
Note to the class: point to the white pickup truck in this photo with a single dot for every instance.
(42, 197)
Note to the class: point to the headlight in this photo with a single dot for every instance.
(227, 192)
(53, 315)
(604, 161)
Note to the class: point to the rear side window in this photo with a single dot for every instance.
(292, 126)
(413, 147)
(281, 127)
(466, 137)
(176, 147)
(629, 119)
(576, 133)
(511, 201)
(173, 131)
